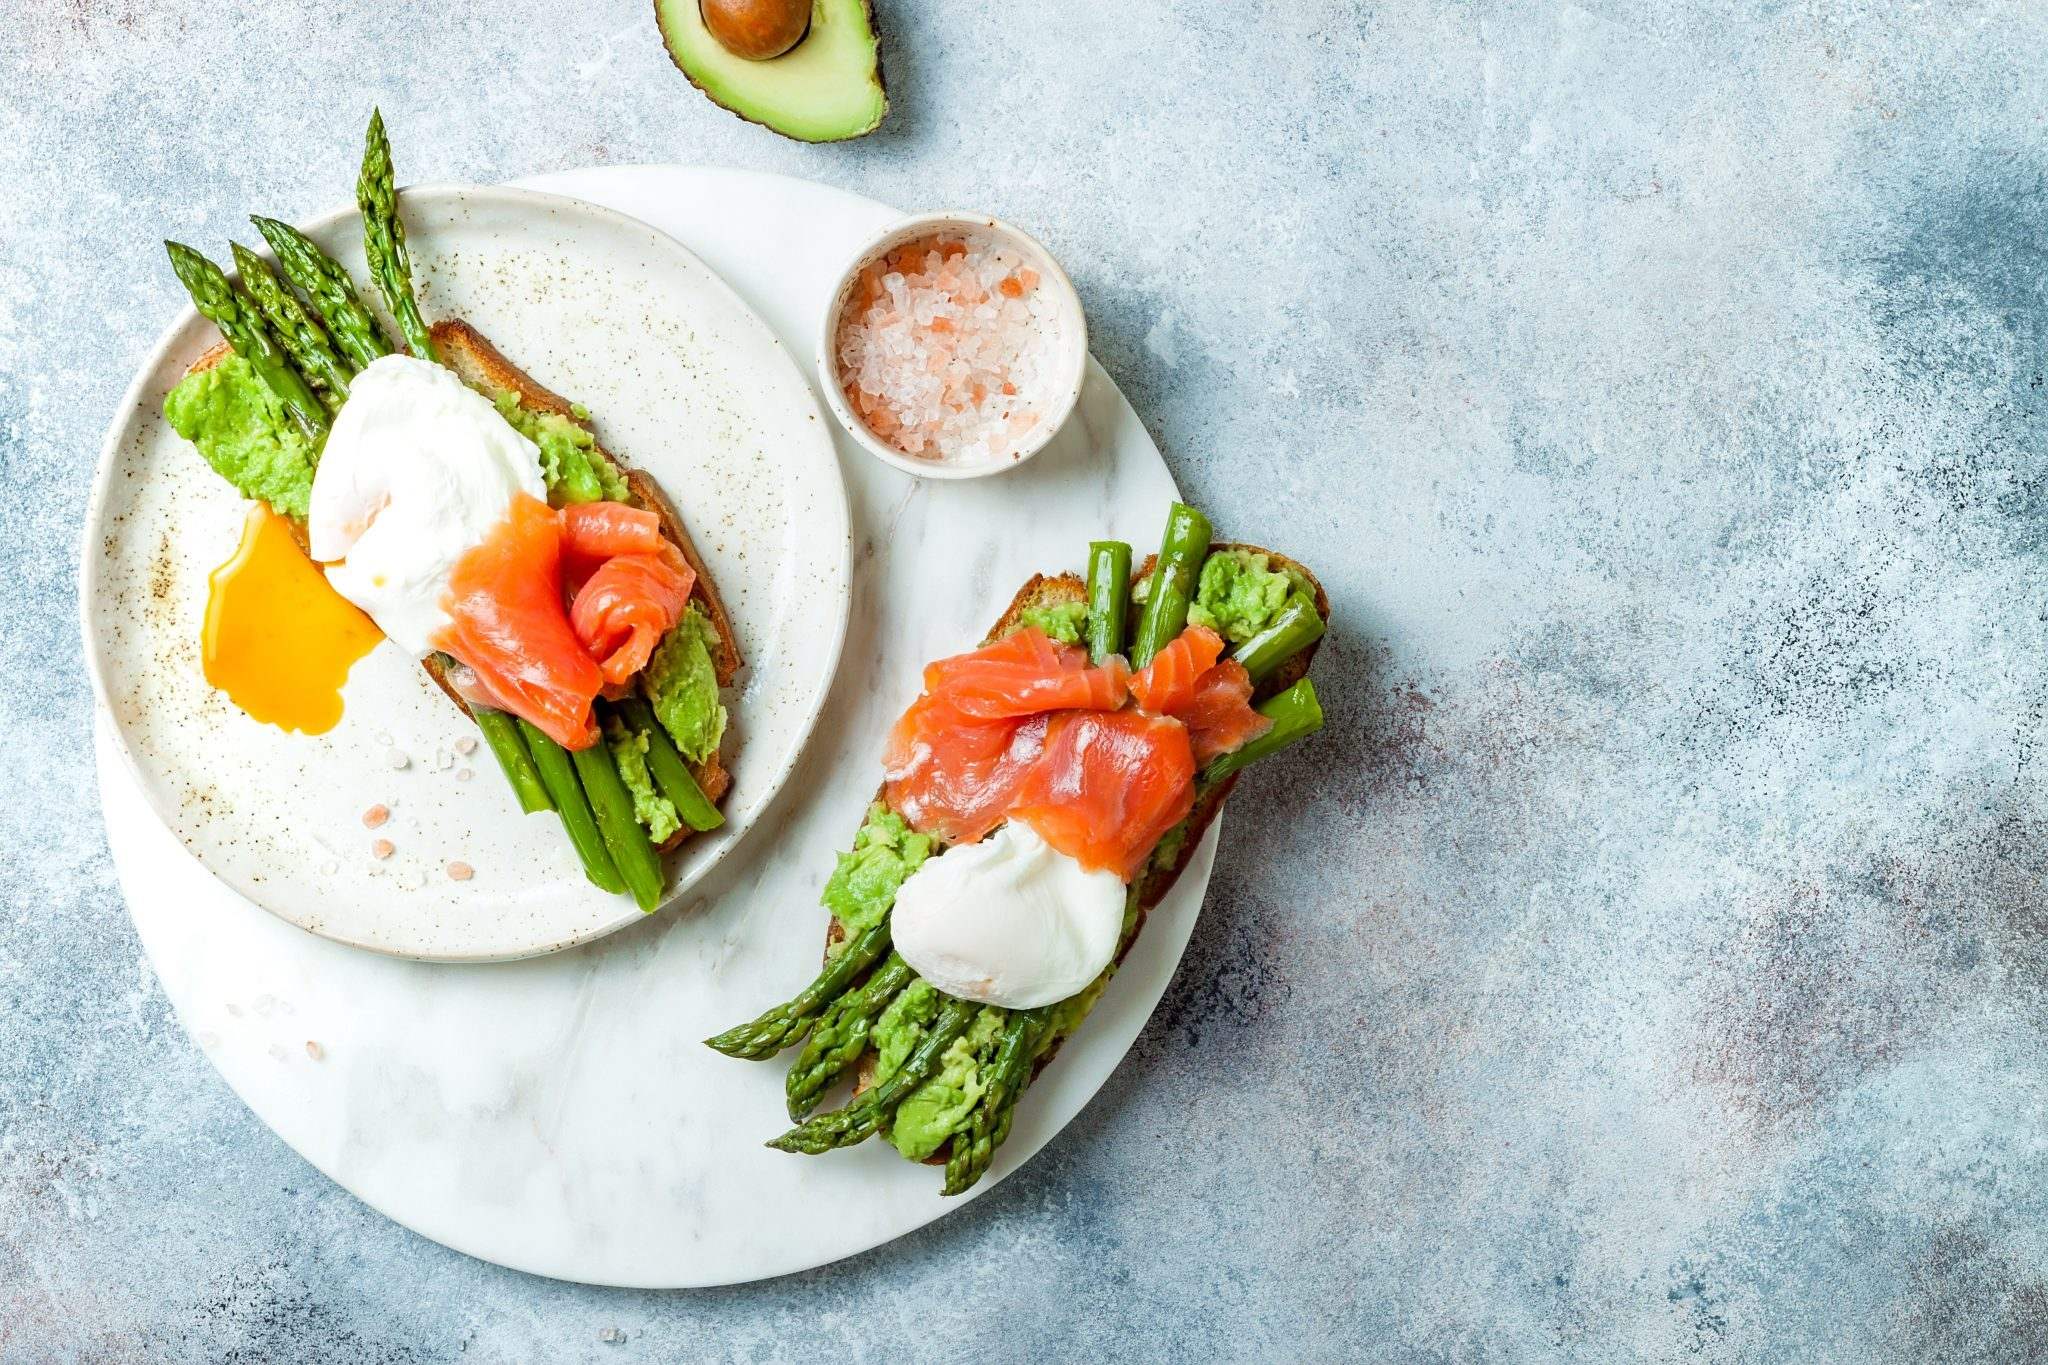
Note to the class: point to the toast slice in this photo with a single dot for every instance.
(484, 367)
(1155, 882)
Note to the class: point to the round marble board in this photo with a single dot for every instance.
(560, 1114)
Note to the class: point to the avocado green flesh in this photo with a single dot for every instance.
(571, 465)
(1238, 594)
(629, 755)
(864, 884)
(896, 1032)
(243, 430)
(1062, 621)
(826, 88)
(938, 1108)
(681, 684)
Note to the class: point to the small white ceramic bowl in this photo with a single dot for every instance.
(1070, 341)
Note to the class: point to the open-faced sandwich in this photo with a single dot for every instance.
(1039, 799)
(548, 589)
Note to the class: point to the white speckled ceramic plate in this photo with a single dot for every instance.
(684, 381)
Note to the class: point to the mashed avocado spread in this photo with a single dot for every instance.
(864, 884)
(650, 807)
(1238, 595)
(1061, 620)
(574, 468)
(931, 1113)
(900, 1026)
(682, 686)
(243, 430)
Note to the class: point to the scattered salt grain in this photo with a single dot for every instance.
(382, 848)
(442, 759)
(384, 739)
(463, 774)
(945, 349)
(397, 758)
(460, 872)
(466, 745)
(314, 1050)
(376, 816)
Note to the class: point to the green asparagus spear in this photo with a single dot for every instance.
(624, 836)
(501, 733)
(671, 774)
(1295, 713)
(783, 1025)
(333, 294)
(384, 239)
(1109, 590)
(296, 329)
(558, 772)
(242, 325)
(1297, 626)
(974, 1147)
(841, 1035)
(1172, 586)
(864, 1117)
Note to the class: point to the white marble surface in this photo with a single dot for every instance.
(561, 1115)
(713, 405)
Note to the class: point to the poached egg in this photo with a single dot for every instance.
(417, 470)
(1008, 921)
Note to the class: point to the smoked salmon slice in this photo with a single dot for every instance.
(957, 756)
(509, 627)
(954, 776)
(600, 530)
(1220, 717)
(527, 652)
(1108, 786)
(625, 606)
(1166, 686)
(1024, 673)
(1185, 681)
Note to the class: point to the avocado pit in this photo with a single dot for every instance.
(757, 30)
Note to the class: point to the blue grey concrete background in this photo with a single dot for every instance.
(1650, 962)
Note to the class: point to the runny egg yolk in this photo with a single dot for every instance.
(278, 640)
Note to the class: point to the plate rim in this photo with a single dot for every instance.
(92, 530)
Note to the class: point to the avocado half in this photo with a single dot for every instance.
(825, 89)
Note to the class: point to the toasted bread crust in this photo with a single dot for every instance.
(472, 356)
(1042, 590)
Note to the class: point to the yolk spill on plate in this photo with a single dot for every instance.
(278, 640)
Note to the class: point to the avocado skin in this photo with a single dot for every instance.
(698, 56)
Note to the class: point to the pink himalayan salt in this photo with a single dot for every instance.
(945, 349)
